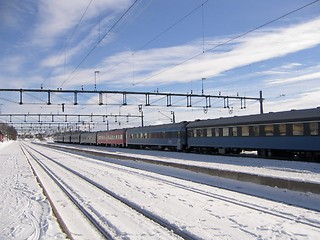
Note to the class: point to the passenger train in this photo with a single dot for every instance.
(289, 134)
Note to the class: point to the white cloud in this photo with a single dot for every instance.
(290, 66)
(308, 99)
(13, 64)
(59, 18)
(149, 67)
(301, 78)
(154, 67)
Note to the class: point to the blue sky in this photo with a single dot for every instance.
(154, 47)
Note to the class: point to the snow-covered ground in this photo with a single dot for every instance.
(205, 211)
(291, 170)
(24, 213)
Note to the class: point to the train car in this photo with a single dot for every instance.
(58, 138)
(112, 138)
(75, 138)
(89, 138)
(287, 134)
(1, 137)
(66, 138)
(168, 136)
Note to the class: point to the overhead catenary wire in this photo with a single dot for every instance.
(160, 34)
(100, 40)
(226, 42)
(171, 26)
(68, 40)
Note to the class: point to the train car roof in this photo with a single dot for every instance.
(113, 130)
(162, 127)
(88, 133)
(272, 117)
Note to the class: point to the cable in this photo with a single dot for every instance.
(100, 40)
(170, 27)
(69, 39)
(160, 34)
(227, 42)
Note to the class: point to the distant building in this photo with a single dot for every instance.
(1, 137)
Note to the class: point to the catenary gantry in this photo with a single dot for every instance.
(189, 96)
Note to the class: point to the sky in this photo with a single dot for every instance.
(228, 47)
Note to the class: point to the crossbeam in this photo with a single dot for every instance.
(189, 96)
(51, 117)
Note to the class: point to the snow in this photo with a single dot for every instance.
(203, 210)
(25, 213)
(291, 170)
(111, 211)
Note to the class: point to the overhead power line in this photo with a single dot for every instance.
(167, 29)
(69, 39)
(100, 40)
(228, 41)
(172, 26)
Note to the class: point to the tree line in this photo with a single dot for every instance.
(8, 131)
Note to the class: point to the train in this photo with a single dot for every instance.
(288, 134)
(1, 137)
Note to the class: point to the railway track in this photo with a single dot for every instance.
(290, 184)
(191, 188)
(196, 189)
(105, 227)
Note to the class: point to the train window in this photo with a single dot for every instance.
(213, 132)
(255, 131)
(204, 132)
(314, 128)
(297, 129)
(217, 132)
(282, 129)
(194, 132)
(269, 130)
(199, 132)
(225, 132)
(234, 131)
(245, 131)
(163, 135)
(209, 132)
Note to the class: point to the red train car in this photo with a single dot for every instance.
(112, 138)
(1, 137)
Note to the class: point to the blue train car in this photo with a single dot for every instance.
(66, 138)
(271, 134)
(58, 138)
(89, 138)
(75, 138)
(168, 136)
